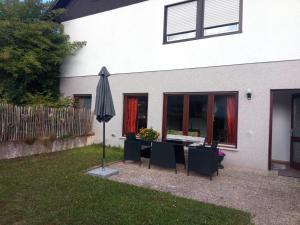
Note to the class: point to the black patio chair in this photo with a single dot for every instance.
(163, 154)
(203, 160)
(145, 145)
(179, 152)
(132, 151)
(145, 149)
(215, 144)
(130, 136)
(220, 157)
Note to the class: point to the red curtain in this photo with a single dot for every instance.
(231, 119)
(132, 108)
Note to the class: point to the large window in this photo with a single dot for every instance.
(196, 19)
(212, 115)
(135, 112)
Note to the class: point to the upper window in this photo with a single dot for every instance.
(196, 19)
(135, 113)
(181, 21)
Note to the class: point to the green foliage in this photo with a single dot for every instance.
(50, 101)
(148, 134)
(32, 49)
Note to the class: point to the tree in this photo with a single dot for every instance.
(32, 49)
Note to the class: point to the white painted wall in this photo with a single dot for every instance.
(129, 39)
(281, 135)
(253, 115)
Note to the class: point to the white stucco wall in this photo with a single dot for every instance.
(129, 39)
(281, 134)
(253, 115)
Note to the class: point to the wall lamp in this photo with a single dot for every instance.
(249, 93)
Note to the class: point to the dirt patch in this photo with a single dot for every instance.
(2, 205)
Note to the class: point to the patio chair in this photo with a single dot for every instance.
(215, 144)
(130, 136)
(220, 157)
(179, 152)
(145, 149)
(132, 151)
(145, 145)
(163, 154)
(203, 160)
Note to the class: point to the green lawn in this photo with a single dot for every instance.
(52, 189)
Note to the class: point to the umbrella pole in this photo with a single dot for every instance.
(103, 150)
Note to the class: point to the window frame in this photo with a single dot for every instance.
(210, 114)
(83, 95)
(125, 100)
(200, 25)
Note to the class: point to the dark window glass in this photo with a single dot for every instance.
(142, 112)
(220, 125)
(175, 114)
(83, 101)
(198, 116)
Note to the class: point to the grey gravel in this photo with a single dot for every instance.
(271, 199)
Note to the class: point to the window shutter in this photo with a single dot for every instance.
(221, 12)
(182, 18)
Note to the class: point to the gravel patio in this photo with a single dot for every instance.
(271, 199)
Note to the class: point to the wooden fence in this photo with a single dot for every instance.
(29, 122)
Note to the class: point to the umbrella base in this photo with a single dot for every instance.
(103, 172)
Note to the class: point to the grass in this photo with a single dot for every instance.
(52, 189)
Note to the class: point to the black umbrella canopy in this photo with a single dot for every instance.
(104, 107)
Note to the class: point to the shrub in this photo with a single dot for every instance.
(148, 134)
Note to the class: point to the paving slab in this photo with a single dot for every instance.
(103, 172)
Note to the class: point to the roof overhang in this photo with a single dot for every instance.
(60, 4)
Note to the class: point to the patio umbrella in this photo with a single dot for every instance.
(104, 107)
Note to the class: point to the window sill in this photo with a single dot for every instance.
(201, 38)
(232, 148)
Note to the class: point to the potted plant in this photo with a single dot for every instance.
(148, 134)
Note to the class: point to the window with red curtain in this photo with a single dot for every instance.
(131, 115)
(231, 119)
(212, 115)
(225, 119)
(135, 113)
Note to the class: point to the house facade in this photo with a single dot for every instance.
(227, 70)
